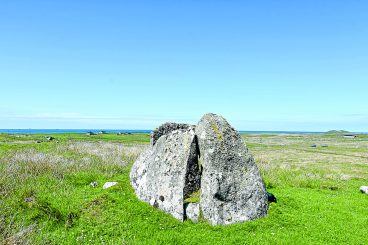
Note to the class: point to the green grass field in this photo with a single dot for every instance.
(45, 196)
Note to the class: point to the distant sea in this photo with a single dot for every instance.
(63, 131)
(114, 131)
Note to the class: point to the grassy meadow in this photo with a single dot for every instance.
(46, 197)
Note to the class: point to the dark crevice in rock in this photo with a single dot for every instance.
(193, 176)
(185, 211)
(197, 146)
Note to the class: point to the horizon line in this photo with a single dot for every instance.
(148, 130)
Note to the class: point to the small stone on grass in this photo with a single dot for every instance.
(93, 184)
(109, 184)
(364, 189)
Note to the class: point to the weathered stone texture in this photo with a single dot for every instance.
(160, 175)
(166, 128)
(193, 211)
(232, 189)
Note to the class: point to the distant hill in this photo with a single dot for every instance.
(337, 132)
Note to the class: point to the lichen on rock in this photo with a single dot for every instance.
(232, 189)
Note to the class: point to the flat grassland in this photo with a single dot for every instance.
(46, 197)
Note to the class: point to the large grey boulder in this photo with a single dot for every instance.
(167, 128)
(232, 189)
(167, 172)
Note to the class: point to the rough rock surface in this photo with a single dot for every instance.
(166, 128)
(167, 172)
(192, 212)
(232, 189)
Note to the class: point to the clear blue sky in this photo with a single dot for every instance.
(263, 65)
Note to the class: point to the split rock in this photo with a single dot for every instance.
(232, 189)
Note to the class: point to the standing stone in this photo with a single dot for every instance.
(232, 189)
(167, 172)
